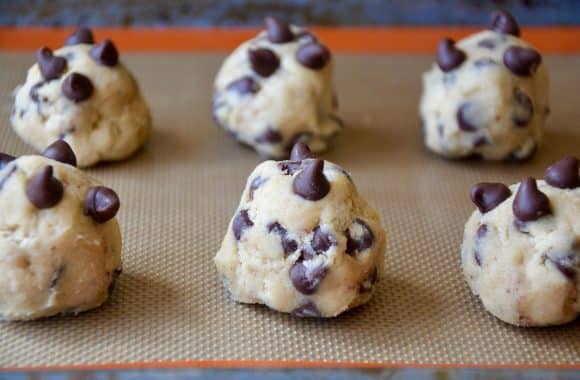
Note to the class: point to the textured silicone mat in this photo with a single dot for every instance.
(179, 193)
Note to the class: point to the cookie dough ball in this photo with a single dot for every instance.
(486, 97)
(276, 90)
(60, 244)
(302, 241)
(83, 94)
(521, 248)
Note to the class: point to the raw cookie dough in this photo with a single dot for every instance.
(521, 248)
(276, 89)
(302, 241)
(486, 97)
(60, 245)
(83, 94)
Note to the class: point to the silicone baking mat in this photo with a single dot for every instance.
(179, 193)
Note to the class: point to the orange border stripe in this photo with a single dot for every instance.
(277, 364)
(345, 39)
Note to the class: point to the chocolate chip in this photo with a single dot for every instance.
(310, 183)
(524, 109)
(567, 264)
(101, 204)
(306, 36)
(50, 66)
(358, 241)
(489, 195)
(278, 31)
(487, 43)
(367, 284)
(313, 55)
(480, 141)
(306, 279)
(289, 167)
(256, 183)
(564, 174)
(289, 245)
(263, 61)
(56, 277)
(448, 56)
(309, 309)
(241, 222)
(62, 152)
(269, 136)
(105, 53)
(5, 159)
(463, 119)
(77, 87)
(530, 203)
(43, 190)
(34, 91)
(481, 232)
(245, 85)
(7, 176)
(321, 241)
(503, 22)
(80, 36)
(484, 62)
(522, 61)
(300, 151)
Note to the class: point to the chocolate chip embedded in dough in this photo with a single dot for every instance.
(62, 152)
(449, 57)
(564, 173)
(269, 136)
(489, 195)
(80, 36)
(289, 245)
(51, 66)
(241, 223)
(278, 31)
(43, 189)
(313, 55)
(524, 109)
(263, 61)
(321, 241)
(359, 242)
(530, 203)
(309, 309)
(244, 85)
(300, 151)
(311, 183)
(77, 87)
(306, 279)
(101, 204)
(255, 185)
(5, 159)
(566, 263)
(105, 53)
(463, 121)
(522, 61)
(503, 22)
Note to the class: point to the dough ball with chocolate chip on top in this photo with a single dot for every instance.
(303, 240)
(83, 94)
(521, 247)
(276, 89)
(60, 244)
(486, 96)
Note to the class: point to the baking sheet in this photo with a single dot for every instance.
(179, 193)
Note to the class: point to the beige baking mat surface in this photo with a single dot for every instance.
(180, 192)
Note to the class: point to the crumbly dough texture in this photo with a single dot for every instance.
(111, 125)
(295, 102)
(527, 273)
(256, 268)
(53, 260)
(492, 96)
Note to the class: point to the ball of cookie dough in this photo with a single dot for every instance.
(303, 241)
(276, 89)
(83, 94)
(521, 247)
(486, 97)
(60, 244)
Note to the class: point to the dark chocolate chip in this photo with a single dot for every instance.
(289, 167)
(448, 56)
(80, 36)
(5, 159)
(306, 36)
(289, 245)
(309, 309)
(487, 43)
(245, 85)
(300, 151)
(356, 244)
(479, 235)
(34, 91)
(567, 264)
(7, 176)
(463, 120)
(278, 31)
(564, 174)
(263, 61)
(313, 55)
(530, 203)
(269, 136)
(522, 61)
(50, 66)
(311, 183)
(489, 195)
(43, 190)
(256, 183)
(484, 62)
(321, 241)
(105, 53)
(524, 109)
(306, 280)
(56, 277)
(101, 204)
(62, 152)
(241, 222)
(503, 22)
(77, 87)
